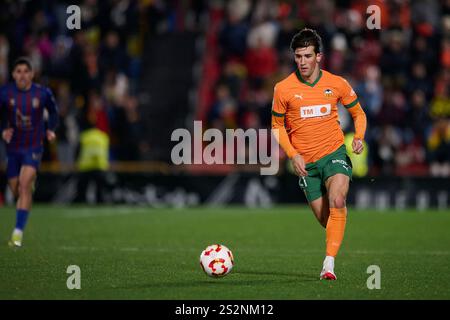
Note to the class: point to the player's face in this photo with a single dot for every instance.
(23, 76)
(307, 60)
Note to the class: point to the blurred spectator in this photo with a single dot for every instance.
(233, 36)
(337, 61)
(4, 52)
(418, 116)
(425, 13)
(261, 60)
(370, 93)
(440, 104)
(96, 112)
(410, 158)
(224, 111)
(112, 55)
(93, 164)
(423, 52)
(394, 108)
(67, 130)
(262, 34)
(91, 77)
(258, 100)
(418, 80)
(127, 131)
(60, 64)
(394, 63)
(387, 142)
(439, 148)
(234, 75)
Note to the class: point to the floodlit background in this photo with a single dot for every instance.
(138, 70)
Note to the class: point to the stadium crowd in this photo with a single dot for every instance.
(401, 72)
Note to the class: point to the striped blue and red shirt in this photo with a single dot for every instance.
(24, 112)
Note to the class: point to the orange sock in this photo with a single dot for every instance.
(335, 230)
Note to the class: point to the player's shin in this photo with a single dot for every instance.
(21, 219)
(335, 230)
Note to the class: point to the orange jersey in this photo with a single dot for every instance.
(311, 112)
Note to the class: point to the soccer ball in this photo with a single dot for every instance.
(216, 260)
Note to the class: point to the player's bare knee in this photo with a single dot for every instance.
(24, 188)
(337, 201)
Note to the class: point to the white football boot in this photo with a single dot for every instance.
(328, 269)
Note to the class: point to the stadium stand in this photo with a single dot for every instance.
(139, 69)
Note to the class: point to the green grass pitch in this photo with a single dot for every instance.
(143, 253)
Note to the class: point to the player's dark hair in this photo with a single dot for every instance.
(23, 60)
(305, 38)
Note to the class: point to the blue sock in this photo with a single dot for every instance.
(21, 218)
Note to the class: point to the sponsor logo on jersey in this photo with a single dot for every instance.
(298, 96)
(12, 102)
(319, 110)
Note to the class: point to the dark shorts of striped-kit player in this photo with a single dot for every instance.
(18, 159)
(319, 171)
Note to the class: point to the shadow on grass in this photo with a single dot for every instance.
(202, 283)
(266, 278)
(297, 276)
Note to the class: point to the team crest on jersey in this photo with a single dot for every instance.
(328, 93)
(35, 103)
(12, 102)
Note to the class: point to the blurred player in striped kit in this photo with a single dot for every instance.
(24, 128)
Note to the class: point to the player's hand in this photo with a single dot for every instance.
(357, 146)
(7, 134)
(299, 165)
(51, 135)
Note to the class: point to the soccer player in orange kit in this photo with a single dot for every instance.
(305, 112)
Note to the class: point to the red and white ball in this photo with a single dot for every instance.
(216, 260)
